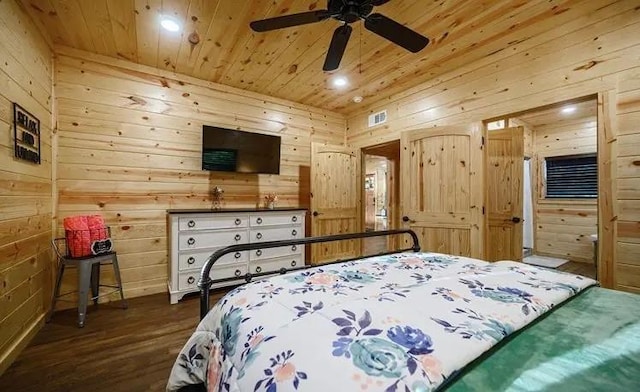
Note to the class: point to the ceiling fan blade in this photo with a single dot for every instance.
(280, 22)
(379, 2)
(337, 47)
(396, 33)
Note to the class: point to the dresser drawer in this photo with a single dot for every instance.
(271, 219)
(193, 260)
(274, 265)
(270, 253)
(189, 280)
(212, 222)
(211, 239)
(276, 233)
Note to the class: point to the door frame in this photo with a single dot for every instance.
(391, 151)
(607, 178)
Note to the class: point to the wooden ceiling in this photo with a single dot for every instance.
(288, 63)
(554, 113)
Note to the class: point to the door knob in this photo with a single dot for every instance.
(515, 219)
(407, 219)
(316, 213)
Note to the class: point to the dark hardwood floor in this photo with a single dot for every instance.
(121, 350)
(584, 269)
(117, 350)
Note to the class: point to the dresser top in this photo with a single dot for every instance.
(232, 210)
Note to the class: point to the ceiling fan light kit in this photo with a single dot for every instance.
(348, 12)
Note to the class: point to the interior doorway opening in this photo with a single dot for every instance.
(556, 190)
(380, 195)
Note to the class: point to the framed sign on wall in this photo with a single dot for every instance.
(26, 135)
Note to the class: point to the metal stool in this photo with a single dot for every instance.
(88, 277)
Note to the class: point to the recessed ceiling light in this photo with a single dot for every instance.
(169, 24)
(340, 81)
(568, 109)
(357, 99)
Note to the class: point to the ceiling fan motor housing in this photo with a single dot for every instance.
(349, 11)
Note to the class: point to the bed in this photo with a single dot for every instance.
(413, 321)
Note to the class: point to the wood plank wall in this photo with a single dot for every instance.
(628, 182)
(25, 189)
(129, 141)
(579, 56)
(563, 226)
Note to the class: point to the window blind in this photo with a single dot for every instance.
(572, 176)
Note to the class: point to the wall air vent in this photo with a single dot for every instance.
(377, 118)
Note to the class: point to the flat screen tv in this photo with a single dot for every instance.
(229, 150)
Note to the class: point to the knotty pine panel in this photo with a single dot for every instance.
(129, 148)
(25, 188)
(628, 182)
(563, 226)
(578, 58)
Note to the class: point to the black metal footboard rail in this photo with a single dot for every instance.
(206, 282)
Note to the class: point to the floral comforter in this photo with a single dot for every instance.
(405, 322)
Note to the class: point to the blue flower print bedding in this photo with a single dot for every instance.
(404, 322)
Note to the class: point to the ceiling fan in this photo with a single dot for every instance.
(348, 11)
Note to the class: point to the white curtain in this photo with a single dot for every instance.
(528, 206)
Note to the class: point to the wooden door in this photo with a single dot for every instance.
(336, 189)
(505, 170)
(442, 188)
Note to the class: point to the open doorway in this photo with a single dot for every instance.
(558, 186)
(380, 196)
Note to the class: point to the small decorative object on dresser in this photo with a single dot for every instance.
(270, 200)
(195, 234)
(217, 197)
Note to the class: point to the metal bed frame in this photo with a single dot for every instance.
(206, 282)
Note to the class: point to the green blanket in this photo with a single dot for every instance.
(591, 343)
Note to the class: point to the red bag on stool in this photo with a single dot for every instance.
(82, 232)
(97, 228)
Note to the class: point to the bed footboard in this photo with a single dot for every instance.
(206, 282)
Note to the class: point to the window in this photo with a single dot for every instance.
(572, 177)
(495, 125)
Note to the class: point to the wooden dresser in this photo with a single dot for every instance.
(195, 234)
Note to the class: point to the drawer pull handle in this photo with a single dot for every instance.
(259, 252)
(191, 241)
(294, 248)
(238, 254)
(294, 218)
(191, 260)
(238, 273)
(191, 280)
(237, 237)
(293, 263)
(258, 269)
(191, 223)
(259, 235)
(294, 233)
(238, 221)
(259, 220)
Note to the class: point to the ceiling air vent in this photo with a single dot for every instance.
(377, 118)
